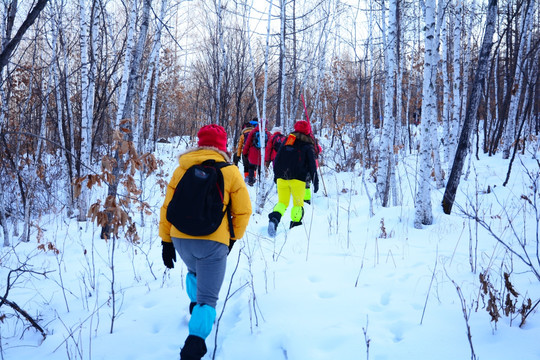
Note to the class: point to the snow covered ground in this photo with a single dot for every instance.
(345, 285)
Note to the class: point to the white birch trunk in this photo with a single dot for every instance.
(456, 84)
(371, 125)
(67, 189)
(317, 104)
(69, 106)
(3, 98)
(87, 101)
(252, 60)
(130, 42)
(153, 60)
(135, 69)
(423, 212)
(45, 83)
(150, 143)
(386, 149)
(261, 188)
(446, 90)
(223, 62)
(433, 123)
(519, 83)
(283, 69)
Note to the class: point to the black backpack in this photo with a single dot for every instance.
(196, 206)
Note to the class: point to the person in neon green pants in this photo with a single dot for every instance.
(294, 162)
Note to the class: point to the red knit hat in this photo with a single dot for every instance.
(302, 126)
(213, 135)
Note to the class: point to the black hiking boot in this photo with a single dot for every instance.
(194, 348)
(274, 218)
(294, 223)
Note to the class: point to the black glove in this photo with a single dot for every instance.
(168, 254)
(236, 159)
(316, 184)
(231, 244)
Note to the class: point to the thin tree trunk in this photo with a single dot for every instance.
(11, 45)
(446, 90)
(151, 141)
(423, 213)
(456, 87)
(153, 61)
(261, 189)
(130, 42)
(135, 68)
(222, 66)
(433, 118)
(67, 188)
(282, 80)
(521, 65)
(387, 135)
(133, 84)
(529, 91)
(472, 108)
(3, 221)
(87, 102)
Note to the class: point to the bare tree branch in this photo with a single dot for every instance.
(12, 44)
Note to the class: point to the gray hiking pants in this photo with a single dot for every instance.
(207, 260)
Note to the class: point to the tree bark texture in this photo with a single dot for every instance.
(472, 107)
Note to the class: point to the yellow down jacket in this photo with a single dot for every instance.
(235, 192)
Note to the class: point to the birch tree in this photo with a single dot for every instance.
(261, 188)
(282, 72)
(456, 81)
(88, 37)
(153, 63)
(446, 101)
(135, 69)
(56, 25)
(433, 117)
(519, 82)
(222, 63)
(130, 43)
(423, 214)
(126, 115)
(472, 108)
(386, 147)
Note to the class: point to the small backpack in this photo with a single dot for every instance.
(279, 139)
(257, 139)
(196, 207)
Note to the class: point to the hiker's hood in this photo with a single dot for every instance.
(198, 155)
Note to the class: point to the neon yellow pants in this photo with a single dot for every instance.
(286, 188)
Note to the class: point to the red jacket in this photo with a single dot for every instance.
(252, 152)
(270, 152)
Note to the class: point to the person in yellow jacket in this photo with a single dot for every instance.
(246, 129)
(205, 256)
